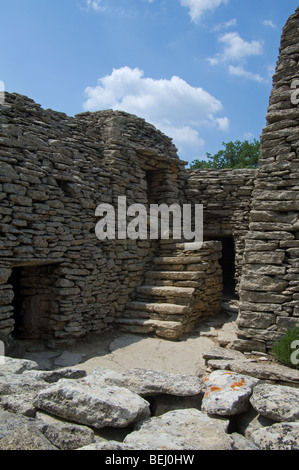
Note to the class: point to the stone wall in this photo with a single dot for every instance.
(270, 282)
(226, 196)
(58, 280)
(54, 171)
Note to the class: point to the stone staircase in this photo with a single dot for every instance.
(173, 295)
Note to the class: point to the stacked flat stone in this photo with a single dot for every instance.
(54, 171)
(270, 282)
(226, 197)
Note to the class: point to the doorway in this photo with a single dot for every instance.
(33, 288)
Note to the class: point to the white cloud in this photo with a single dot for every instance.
(235, 48)
(95, 5)
(225, 25)
(269, 23)
(198, 7)
(173, 106)
(241, 72)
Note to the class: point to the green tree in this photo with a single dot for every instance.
(235, 155)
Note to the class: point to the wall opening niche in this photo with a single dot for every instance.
(34, 300)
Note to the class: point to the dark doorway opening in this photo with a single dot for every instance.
(154, 179)
(227, 263)
(33, 300)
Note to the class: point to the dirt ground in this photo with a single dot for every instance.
(118, 350)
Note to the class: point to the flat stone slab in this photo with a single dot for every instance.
(95, 405)
(227, 393)
(67, 359)
(64, 435)
(279, 436)
(26, 438)
(148, 382)
(188, 429)
(277, 402)
(263, 371)
(17, 393)
(9, 365)
(55, 375)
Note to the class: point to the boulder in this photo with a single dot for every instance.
(149, 382)
(64, 435)
(26, 438)
(17, 393)
(227, 393)
(277, 402)
(182, 430)
(16, 366)
(279, 436)
(94, 405)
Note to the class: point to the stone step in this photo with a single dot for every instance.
(160, 308)
(166, 291)
(181, 246)
(177, 260)
(174, 275)
(164, 329)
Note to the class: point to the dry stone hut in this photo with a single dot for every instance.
(58, 280)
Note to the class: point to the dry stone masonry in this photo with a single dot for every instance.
(58, 280)
(69, 409)
(270, 278)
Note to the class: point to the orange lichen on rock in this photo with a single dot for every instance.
(241, 383)
(213, 389)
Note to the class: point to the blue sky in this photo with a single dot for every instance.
(199, 70)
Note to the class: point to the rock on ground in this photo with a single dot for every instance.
(94, 405)
(26, 438)
(279, 436)
(149, 382)
(227, 393)
(277, 402)
(182, 430)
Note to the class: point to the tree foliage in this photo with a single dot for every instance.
(235, 155)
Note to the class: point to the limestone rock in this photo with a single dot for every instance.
(279, 436)
(95, 406)
(26, 438)
(16, 366)
(68, 359)
(227, 393)
(148, 382)
(17, 393)
(109, 445)
(181, 430)
(64, 435)
(9, 422)
(277, 402)
(275, 372)
(55, 375)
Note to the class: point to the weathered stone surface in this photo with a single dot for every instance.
(110, 445)
(26, 438)
(274, 209)
(63, 435)
(16, 366)
(222, 353)
(55, 375)
(148, 382)
(278, 402)
(275, 372)
(227, 393)
(17, 393)
(182, 430)
(279, 436)
(68, 359)
(92, 405)
(9, 422)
